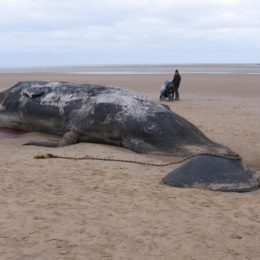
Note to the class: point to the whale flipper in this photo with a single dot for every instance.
(69, 138)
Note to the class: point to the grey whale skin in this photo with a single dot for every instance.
(102, 114)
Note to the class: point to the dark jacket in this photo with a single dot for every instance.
(176, 80)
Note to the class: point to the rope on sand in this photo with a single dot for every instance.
(52, 156)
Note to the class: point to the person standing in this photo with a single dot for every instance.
(176, 82)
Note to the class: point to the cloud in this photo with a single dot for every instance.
(110, 27)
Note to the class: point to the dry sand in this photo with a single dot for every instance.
(64, 209)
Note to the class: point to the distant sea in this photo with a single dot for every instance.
(141, 69)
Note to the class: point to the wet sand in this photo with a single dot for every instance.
(66, 209)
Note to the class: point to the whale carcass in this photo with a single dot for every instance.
(102, 114)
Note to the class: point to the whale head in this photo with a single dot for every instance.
(27, 106)
(10, 116)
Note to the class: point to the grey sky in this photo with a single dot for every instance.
(62, 32)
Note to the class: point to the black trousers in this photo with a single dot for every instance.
(176, 93)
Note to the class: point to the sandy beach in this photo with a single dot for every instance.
(68, 209)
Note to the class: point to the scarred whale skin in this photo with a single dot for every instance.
(102, 114)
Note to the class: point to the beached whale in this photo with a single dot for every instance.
(102, 114)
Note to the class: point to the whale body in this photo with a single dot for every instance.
(102, 114)
(118, 116)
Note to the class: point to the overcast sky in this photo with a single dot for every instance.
(74, 32)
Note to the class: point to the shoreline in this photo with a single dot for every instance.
(232, 85)
(133, 69)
